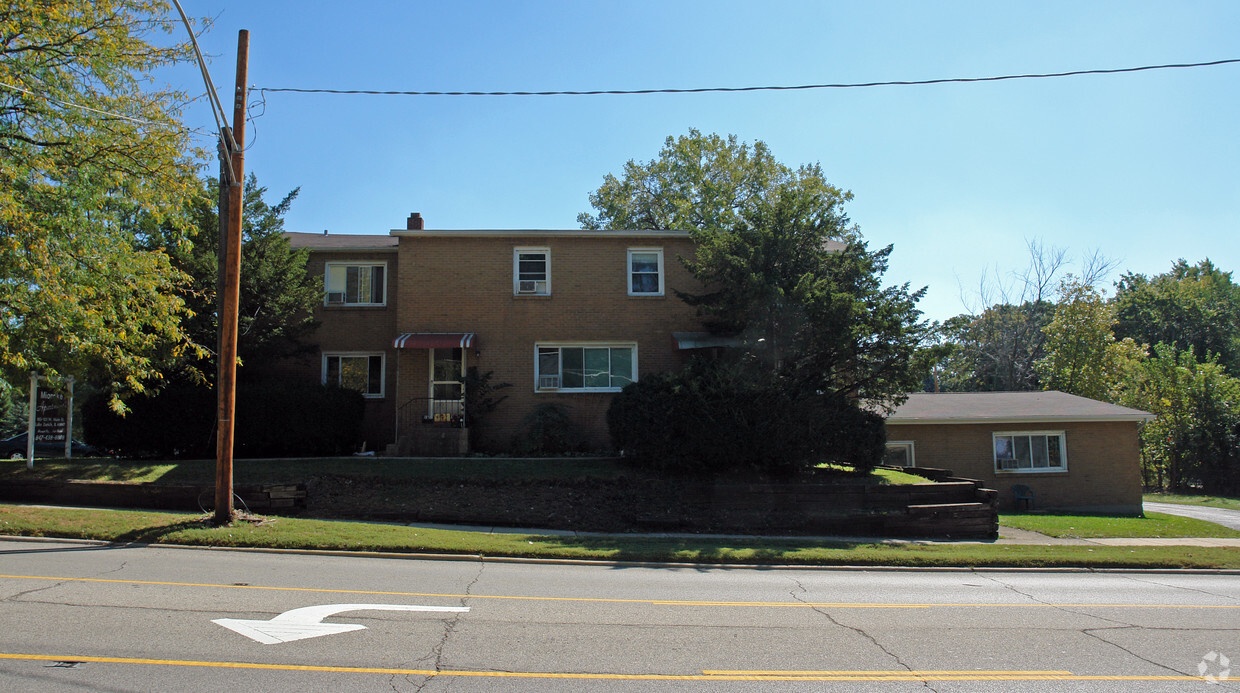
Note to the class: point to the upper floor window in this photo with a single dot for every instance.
(355, 284)
(531, 271)
(1030, 451)
(645, 271)
(361, 372)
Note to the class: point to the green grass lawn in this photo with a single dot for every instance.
(1208, 501)
(125, 526)
(1102, 526)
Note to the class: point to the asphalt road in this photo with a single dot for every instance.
(99, 618)
(1219, 516)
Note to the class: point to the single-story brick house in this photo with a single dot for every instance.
(1072, 452)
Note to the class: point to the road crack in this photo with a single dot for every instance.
(797, 595)
(436, 653)
(1092, 632)
(1228, 597)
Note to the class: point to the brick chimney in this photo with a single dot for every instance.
(414, 223)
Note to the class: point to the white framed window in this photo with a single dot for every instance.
(531, 271)
(363, 372)
(645, 271)
(1030, 451)
(584, 367)
(899, 454)
(355, 284)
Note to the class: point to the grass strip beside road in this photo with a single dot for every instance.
(126, 526)
(1153, 525)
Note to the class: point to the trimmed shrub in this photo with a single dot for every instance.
(717, 417)
(547, 429)
(273, 419)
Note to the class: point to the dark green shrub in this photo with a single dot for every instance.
(724, 416)
(276, 418)
(480, 401)
(297, 419)
(178, 421)
(546, 430)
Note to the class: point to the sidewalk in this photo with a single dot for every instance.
(1007, 536)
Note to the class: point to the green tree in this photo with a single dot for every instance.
(783, 270)
(85, 145)
(997, 349)
(1082, 355)
(278, 296)
(1195, 306)
(1195, 437)
(703, 182)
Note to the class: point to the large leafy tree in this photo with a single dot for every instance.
(704, 182)
(1195, 438)
(277, 298)
(995, 350)
(1082, 355)
(87, 144)
(1195, 306)
(785, 271)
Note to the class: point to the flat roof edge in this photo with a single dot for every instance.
(1031, 419)
(515, 233)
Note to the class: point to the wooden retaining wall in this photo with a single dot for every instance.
(121, 494)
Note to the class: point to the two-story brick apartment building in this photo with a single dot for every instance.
(562, 316)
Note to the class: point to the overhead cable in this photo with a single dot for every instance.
(701, 90)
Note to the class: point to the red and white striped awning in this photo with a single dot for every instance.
(434, 340)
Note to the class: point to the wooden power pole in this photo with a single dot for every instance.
(231, 290)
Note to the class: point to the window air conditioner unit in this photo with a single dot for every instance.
(335, 297)
(527, 286)
(548, 382)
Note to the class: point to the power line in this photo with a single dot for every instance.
(702, 90)
(110, 114)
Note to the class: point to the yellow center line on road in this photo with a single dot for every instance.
(772, 676)
(607, 600)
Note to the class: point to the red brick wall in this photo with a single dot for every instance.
(1103, 461)
(360, 329)
(465, 284)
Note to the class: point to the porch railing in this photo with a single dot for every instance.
(428, 411)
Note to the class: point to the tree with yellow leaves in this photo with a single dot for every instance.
(88, 145)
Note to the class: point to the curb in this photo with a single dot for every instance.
(518, 560)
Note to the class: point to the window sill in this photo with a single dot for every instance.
(529, 296)
(1028, 472)
(647, 295)
(363, 306)
(577, 391)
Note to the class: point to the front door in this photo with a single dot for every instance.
(447, 384)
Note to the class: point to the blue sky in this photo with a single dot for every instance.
(1143, 167)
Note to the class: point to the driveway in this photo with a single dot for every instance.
(1219, 516)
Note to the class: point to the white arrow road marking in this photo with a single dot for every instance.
(299, 624)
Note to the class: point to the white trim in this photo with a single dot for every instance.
(912, 450)
(359, 354)
(327, 267)
(430, 375)
(628, 275)
(516, 270)
(632, 346)
(1063, 452)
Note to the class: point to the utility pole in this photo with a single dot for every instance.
(231, 290)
